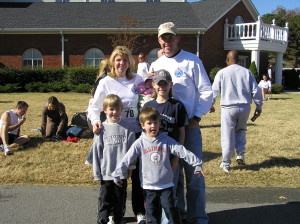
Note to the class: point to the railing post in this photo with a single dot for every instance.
(258, 28)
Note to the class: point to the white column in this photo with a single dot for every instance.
(62, 49)
(198, 44)
(255, 56)
(278, 68)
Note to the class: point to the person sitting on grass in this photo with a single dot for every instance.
(266, 86)
(10, 124)
(54, 119)
(153, 149)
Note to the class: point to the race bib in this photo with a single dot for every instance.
(130, 112)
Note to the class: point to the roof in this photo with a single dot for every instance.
(106, 17)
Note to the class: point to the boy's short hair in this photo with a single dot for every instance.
(149, 113)
(112, 100)
(22, 104)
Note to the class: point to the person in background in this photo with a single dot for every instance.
(237, 87)
(271, 73)
(143, 66)
(192, 87)
(10, 124)
(122, 82)
(54, 119)
(109, 147)
(103, 71)
(153, 149)
(265, 85)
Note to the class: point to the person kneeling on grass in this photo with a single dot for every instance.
(54, 119)
(153, 150)
(10, 124)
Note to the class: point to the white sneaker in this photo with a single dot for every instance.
(111, 220)
(225, 167)
(88, 163)
(141, 219)
(7, 151)
(240, 159)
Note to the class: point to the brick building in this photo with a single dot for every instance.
(57, 34)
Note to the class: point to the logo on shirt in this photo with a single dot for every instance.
(134, 90)
(178, 72)
(155, 157)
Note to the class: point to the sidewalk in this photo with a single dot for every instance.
(78, 205)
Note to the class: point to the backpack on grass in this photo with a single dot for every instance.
(79, 126)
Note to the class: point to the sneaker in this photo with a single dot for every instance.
(240, 160)
(88, 163)
(225, 167)
(7, 151)
(111, 220)
(141, 219)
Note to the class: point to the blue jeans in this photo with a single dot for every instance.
(195, 186)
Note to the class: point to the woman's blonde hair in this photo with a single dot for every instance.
(121, 51)
(103, 68)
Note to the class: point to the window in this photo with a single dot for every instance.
(32, 58)
(152, 56)
(243, 61)
(238, 20)
(93, 57)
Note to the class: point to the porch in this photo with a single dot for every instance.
(258, 37)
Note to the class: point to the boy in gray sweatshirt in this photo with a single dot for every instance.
(153, 150)
(109, 147)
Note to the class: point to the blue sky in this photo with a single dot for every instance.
(267, 6)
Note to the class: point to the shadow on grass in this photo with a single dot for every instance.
(210, 126)
(280, 98)
(269, 214)
(6, 101)
(208, 156)
(273, 161)
(34, 142)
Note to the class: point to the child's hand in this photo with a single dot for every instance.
(199, 173)
(119, 184)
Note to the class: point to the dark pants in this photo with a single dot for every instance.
(111, 201)
(164, 197)
(137, 197)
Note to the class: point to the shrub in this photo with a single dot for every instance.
(83, 88)
(57, 87)
(253, 69)
(291, 79)
(80, 75)
(34, 87)
(213, 72)
(9, 88)
(276, 88)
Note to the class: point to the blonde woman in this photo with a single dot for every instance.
(122, 82)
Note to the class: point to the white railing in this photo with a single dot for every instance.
(256, 31)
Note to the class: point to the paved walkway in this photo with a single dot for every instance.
(78, 205)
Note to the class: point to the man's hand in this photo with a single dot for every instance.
(97, 127)
(199, 173)
(119, 184)
(22, 120)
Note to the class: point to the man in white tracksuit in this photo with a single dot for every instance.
(237, 87)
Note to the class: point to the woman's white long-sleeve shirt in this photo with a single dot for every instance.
(123, 88)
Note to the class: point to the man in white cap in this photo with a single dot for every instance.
(192, 87)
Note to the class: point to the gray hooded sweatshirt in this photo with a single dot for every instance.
(109, 147)
(154, 158)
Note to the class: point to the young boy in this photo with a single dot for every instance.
(153, 150)
(109, 147)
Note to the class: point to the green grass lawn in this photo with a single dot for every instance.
(273, 147)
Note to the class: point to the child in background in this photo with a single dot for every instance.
(145, 91)
(153, 149)
(172, 114)
(109, 147)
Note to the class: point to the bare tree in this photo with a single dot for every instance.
(127, 36)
